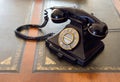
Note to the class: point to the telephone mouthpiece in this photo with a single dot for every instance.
(98, 30)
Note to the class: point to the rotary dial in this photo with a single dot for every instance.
(68, 38)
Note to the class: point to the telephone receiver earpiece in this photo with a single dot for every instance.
(58, 16)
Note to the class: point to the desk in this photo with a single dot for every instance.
(24, 74)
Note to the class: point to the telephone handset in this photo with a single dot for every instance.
(94, 26)
(79, 41)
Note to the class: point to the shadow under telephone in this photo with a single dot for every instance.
(78, 42)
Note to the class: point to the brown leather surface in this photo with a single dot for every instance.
(108, 60)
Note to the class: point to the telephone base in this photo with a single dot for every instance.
(95, 50)
(74, 59)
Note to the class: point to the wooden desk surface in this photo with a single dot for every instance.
(26, 75)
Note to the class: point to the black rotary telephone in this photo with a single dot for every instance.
(79, 41)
